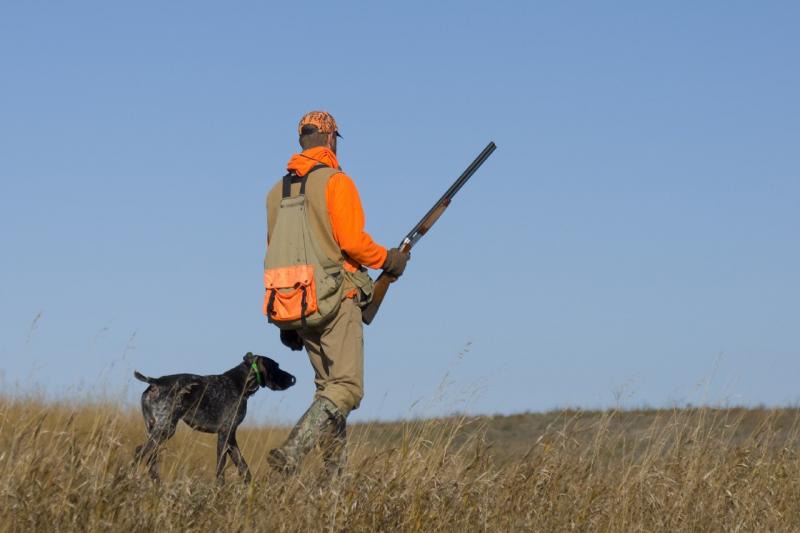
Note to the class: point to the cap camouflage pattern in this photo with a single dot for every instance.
(321, 119)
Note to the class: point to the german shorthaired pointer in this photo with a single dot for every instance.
(212, 404)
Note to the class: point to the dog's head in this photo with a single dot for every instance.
(269, 372)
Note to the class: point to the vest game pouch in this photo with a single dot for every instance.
(291, 293)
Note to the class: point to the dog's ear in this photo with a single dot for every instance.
(248, 358)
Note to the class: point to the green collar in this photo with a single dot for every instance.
(254, 366)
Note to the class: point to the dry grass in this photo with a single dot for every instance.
(68, 467)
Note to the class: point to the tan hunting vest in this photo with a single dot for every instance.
(320, 222)
(318, 218)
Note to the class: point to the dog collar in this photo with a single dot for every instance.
(254, 366)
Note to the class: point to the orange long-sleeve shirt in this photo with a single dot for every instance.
(344, 208)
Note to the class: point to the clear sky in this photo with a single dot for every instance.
(634, 239)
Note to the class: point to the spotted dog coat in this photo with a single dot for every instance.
(211, 404)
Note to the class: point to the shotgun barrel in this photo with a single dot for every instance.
(422, 227)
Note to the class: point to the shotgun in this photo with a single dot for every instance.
(422, 227)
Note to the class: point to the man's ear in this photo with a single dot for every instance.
(332, 142)
(248, 357)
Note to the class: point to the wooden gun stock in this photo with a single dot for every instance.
(379, 293)
(422, 227)
(381, 286)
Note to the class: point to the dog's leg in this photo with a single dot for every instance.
(222, 455)
(148, 452)
(238, 458)
(159, 430)
(157, 440)
(139, 454)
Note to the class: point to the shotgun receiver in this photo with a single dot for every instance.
(422, 227)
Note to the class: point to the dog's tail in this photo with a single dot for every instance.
(142, 377)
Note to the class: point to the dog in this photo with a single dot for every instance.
(211, 404)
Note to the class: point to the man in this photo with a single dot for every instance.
(336, 347)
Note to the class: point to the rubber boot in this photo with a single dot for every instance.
(334, 446)
(319, 421)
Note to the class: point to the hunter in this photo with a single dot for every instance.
(329, 210)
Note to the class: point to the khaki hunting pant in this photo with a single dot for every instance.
(336, 351)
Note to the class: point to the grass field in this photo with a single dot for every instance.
(68, 467)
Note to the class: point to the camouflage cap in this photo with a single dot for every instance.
(321, 119)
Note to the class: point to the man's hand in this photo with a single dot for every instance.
(395, 262)
(291, 339)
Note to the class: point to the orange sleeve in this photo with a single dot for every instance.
(347, 223)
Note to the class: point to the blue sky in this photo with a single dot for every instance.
(633, 240)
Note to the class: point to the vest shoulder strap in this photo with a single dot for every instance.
(291, 178)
